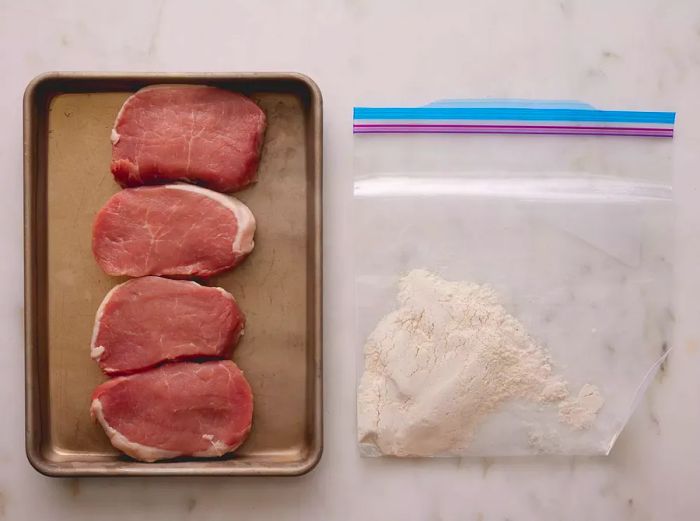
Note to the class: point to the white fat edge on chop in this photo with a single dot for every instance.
(95, 350)
(244, 217)
(217, 448)
(121, 442)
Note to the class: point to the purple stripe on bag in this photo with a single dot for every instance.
(565, 127)
(511, 129)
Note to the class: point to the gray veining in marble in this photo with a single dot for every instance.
(636, 55)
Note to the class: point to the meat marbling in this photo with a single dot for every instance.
(180, 409)
(171, 230)
(146, 321)
(193, 133)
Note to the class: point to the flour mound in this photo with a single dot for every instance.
(580, 412)
(446, 358)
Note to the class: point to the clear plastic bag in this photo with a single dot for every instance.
(565, 212)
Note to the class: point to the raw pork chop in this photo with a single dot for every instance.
(182, 409)
(150, 320)
(193, 133)
(171, 230)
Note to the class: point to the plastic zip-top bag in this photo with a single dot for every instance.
(513, 274)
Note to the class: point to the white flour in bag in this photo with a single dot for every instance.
(446, 358)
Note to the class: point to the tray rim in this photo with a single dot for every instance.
(32, 398)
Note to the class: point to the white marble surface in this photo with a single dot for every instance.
(643, 54)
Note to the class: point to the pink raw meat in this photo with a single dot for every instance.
(144, 322)
(172, 230)
(181, 409)
(193, 133)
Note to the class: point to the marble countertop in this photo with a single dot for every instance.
(641, 55)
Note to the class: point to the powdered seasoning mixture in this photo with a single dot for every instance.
(445, 359)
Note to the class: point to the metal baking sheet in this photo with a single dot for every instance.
(67, 123)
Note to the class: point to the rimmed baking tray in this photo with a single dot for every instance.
(67, 151)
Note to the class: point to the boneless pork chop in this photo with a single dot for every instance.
(171, 230)
(193, 133)
(180, 409)
(146, 321)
